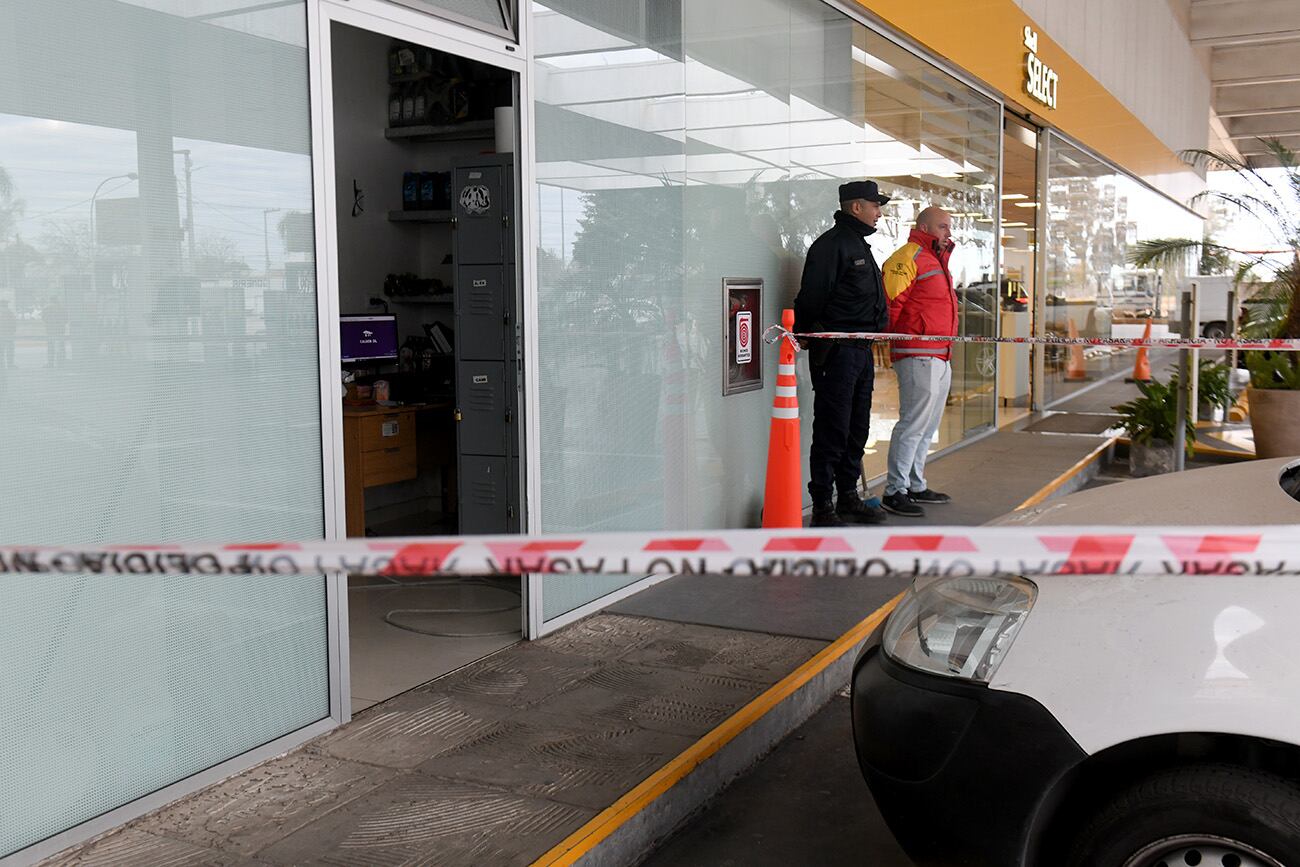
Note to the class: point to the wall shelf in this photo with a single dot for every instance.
(420, 216)
(420, 299)
(467, 131)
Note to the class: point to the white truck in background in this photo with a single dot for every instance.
(1212, 317)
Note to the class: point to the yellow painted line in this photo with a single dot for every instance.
(1056, 483)
(609, 820)
(1202, 449)
(1215, 451)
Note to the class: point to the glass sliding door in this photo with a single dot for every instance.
(1096, 217)
(932, 141)
(156, 258)
(1014, 294)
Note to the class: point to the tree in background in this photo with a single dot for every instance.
(11, 207)
(1214, 258)
(12, 260)
(218, 257)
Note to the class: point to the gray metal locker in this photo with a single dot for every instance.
(514, 520)
(487, 367)
(484, 396)
(485, 495)
(481, 319)
(479, 202)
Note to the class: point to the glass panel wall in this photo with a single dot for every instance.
(676, 150)
(1096, 216)
(931, 140)
(613, 344)
(1018, 266)
(159, 381)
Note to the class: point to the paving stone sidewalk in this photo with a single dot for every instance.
(492, 765)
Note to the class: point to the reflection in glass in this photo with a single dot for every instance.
(1018, 264)
(160, 381)
(1095, 217)
(676, 151)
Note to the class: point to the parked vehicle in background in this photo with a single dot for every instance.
(1097, 720)
(1136, 292)
(1212, 304)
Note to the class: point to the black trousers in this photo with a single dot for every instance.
(842, 385)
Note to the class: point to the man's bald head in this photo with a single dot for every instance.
(935, 221)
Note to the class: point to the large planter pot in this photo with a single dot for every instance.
(1275, 419)
(1150, 459)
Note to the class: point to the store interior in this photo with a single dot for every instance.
(424, 179)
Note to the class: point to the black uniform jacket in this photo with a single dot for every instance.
(842, 289)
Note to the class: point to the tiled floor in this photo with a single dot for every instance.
(388, 660)
(491, 765)
(496, 762)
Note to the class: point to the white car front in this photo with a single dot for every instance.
(1097, 720)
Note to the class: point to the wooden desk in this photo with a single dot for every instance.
(379, 448)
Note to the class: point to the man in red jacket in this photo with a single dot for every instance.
(921, 301)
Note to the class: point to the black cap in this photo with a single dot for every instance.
(862, 190)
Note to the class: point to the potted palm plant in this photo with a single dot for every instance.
(1151, 421)
(1274, 391)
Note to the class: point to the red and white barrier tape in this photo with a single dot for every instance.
(872, 552)
(776, 332)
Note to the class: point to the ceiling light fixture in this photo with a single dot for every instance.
(1006, 197)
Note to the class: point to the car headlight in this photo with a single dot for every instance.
(959, 627)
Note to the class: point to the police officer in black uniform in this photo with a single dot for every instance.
(842, 290)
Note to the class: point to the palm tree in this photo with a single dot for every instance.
(1275, 205)
(11, 207)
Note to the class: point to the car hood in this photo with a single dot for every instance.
(1241, 494)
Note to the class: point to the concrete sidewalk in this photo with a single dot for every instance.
(592, 744)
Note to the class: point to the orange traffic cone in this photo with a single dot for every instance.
(783, 498)
(1142, 366)
(1077, 369)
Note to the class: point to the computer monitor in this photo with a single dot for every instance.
(368, 338)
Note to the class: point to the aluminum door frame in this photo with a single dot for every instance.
(430, 31)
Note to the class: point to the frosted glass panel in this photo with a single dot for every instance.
(739, 128)
(611, 165)
(674, 151)
(158, 381)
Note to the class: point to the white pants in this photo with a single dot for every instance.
(923, 385)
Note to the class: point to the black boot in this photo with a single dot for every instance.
(824, 515)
